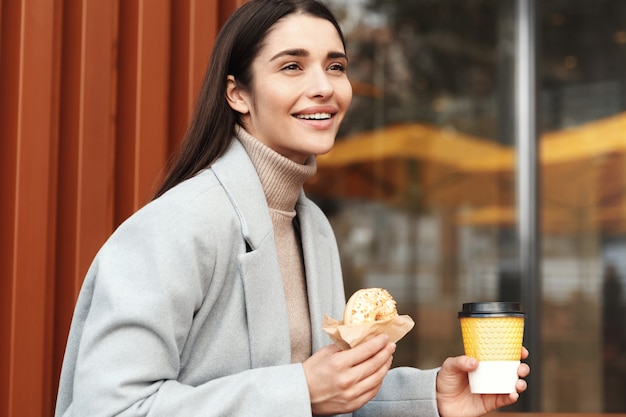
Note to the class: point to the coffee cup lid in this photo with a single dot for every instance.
(492, 309)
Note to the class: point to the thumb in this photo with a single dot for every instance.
(459, 364)
(466, 363)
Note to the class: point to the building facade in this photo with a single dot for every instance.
(483, 160)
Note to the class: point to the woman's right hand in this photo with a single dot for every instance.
(343, 381)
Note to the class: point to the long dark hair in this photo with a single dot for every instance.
(236, 46)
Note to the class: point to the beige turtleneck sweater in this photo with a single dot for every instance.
(282, 180)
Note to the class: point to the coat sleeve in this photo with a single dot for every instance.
(406, 392)
(132, 321)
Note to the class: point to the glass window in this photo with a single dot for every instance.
(583, 114)
(421, 185)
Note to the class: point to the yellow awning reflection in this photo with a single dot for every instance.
(418, 141)
(583, 177)
(400, 164)
(590, 140)
(488, 216)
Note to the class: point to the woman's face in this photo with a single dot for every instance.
(300, 91)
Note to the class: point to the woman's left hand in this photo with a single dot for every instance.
(454, 398)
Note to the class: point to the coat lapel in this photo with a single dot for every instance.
(266, 309)
(317, 248)
(240, 181)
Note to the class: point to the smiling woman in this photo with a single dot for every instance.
(209, 300)
(300, 91)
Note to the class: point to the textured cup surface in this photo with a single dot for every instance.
(493, 338)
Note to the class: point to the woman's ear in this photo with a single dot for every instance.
(236, 98)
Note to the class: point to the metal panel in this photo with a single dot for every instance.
(86, 153)
(192, 41)
(142, 102)
(28, 140)
(84, 132)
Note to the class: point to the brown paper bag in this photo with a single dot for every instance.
(347, 336)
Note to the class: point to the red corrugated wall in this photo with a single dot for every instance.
(94, 95)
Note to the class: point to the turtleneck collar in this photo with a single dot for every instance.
(281, 178)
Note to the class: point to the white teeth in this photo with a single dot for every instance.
(314, 116)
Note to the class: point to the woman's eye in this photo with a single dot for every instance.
(291, 67)
(337, 67)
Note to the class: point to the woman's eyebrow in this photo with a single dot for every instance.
(291, 52)
(300, 52)
(335, 55)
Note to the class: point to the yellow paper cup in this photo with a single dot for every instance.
(493, 333)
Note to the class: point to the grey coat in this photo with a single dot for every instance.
(182, 312)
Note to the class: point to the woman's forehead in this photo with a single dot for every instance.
(301, 31)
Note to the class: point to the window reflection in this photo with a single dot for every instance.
(420, 187)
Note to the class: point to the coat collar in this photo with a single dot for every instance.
(264, 293)
(235, 171)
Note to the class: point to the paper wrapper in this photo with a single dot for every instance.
(347, 336)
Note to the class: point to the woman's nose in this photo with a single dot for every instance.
(319, 84)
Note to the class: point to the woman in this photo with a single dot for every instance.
(209, 301)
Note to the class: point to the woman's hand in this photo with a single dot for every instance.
(454, 398)
(343, 381)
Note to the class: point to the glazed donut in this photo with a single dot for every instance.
(369, 305)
